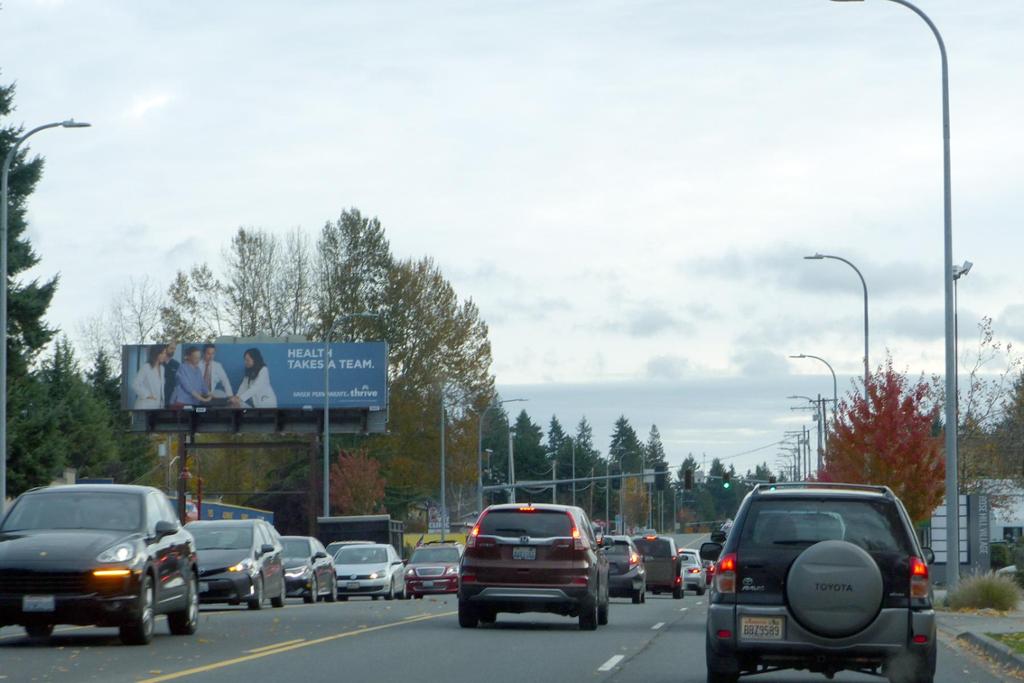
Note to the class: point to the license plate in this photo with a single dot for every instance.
(353, 585)
(524, 553)
(762, 628)
(204, 586)
(428, 584)
(37, 603)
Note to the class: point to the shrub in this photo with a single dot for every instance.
(1001, 555)
(986, 591)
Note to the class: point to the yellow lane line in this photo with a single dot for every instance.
(285, 648)
(274, 646)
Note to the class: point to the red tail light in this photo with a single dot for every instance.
(471, 539)
(578, 542)
(918, 578)
(468, 577)
(694, 570)
(920, 639)
(527, 508)
(679, 580)
(725, 574)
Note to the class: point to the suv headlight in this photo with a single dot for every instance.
(410, 572)
(246, 565)
(122, 552)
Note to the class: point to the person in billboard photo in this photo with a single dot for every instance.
(171, 366)
(255, 390)
(189, 389)
(149, 383)
(214, 377)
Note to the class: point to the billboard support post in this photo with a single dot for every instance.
(182, 473)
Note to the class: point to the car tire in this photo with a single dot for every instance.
(186, 621)
(332, 595)
(342, 598)
(488, 617)
(278, 601)
(139, 629)
(417, 596)
(602, 613)
(256, 601)
(314, 592)
(375, 598)
(468, 617)
(39, 631)
(677, 593)
(700, 591)
(720, 669)
(637, 597)
(588, 615)
(390, 595)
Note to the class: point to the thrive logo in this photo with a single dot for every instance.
(834, 587)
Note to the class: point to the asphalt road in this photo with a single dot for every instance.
(414, 640)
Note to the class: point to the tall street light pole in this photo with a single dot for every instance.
(327, 403)
(952, 484)
(867, 364)
(958, 272)
(4, 202)
(835, 385)
(480, 450)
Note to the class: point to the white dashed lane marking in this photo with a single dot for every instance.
(611, 663)
(658, 625)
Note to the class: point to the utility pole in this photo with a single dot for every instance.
(511, 468)
(444, 510)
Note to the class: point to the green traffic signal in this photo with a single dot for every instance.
(726, 484)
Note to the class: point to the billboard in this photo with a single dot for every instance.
(264, 375)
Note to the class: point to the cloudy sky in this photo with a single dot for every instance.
(626, 188)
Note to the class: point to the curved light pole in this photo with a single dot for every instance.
(327, 404)
(952, 483)
(835, 384)
(4, 173)
(480, 450)
(867, 365)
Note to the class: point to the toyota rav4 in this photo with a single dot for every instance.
(822, 577)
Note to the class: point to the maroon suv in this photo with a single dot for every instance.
(433, 568)
(533, 558)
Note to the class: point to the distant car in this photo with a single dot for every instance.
(692, 569)
(239, 561)
(1010, 570)
(433, 568)
(370, 569)
(709, 571)
(308, 569)
(627, 575)
(533, 558)
(662, 563)
(333, 548)
(103, 555)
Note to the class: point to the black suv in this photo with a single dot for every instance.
(823, 577)
(533, 558)
(104, 555)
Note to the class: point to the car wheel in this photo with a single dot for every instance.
(911, 668)
(332, 595)
(342, 598)
(488, 617)
(417, 596)
(390, 595)
(278, 600)
(468, 617)
(139, 629)
(602, 614)
(375, 597)
(39, 630)
(636, 597)
(185, 622)
(677, 593)
(588, 615)
(720, 669)
(314, 592)
(256, 601)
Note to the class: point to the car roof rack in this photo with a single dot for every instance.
(807, 485)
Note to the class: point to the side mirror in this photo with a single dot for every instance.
(710, 551)
(929, 555)
(320, 554)
(405, 562)
(165, 528)
(266, 548)
(718, 536)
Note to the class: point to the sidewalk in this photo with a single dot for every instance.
(972, 627)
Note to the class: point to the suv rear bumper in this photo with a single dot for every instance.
(887, 636)
(560, 600)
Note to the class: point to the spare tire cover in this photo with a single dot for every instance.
(834, 589)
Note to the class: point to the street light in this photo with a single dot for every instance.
(952, 484)
(327, 404)
(835, 385)
(4, 173)
(867, 365)
(958, 272)
(480, 450)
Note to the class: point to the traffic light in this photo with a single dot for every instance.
(660, 476)
(688, 480)
(726, 480)
(771, 482)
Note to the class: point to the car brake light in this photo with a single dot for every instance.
(634, 558)
(723, 633)
(679, 580)
(580, 580)
(578, 542)
(920, 639)
(918, 578)
(694, 570)
(527, 508)
(651, 538)
(471, 539)
(725, 575)
(468, 577)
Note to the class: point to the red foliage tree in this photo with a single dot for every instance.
(888, 440)
(357, 487)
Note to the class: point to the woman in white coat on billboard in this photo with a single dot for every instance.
(255, 389)
(148, 384)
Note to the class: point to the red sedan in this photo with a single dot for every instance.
(433, 568)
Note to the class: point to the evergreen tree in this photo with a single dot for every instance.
(528, 450)
(135, 452)
(29, 425)
(625, 448)
(654, 450)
